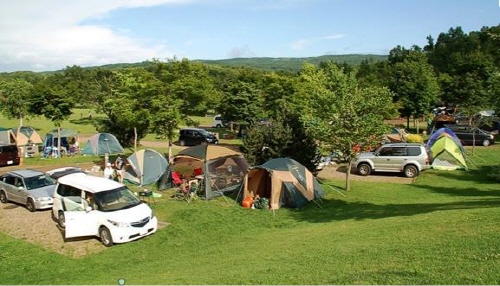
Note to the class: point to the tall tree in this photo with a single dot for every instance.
(414, 85)
(15, 97)
(343, 114)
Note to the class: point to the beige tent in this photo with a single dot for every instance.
(26, 136)
(284, 182)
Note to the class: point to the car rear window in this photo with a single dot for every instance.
(414, 151)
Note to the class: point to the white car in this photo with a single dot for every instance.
(86, 205)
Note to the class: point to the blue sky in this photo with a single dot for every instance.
(52, 34)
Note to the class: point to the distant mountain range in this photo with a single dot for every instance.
(275, 64)
(294, 64)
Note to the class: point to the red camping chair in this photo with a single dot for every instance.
(176, 179)
(197, 172)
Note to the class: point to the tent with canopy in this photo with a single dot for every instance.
(284, 182)
(217, 168)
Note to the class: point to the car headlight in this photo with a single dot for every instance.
(119, 224)
(43, 199)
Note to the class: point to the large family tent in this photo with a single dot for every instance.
(145, 166)
(221, 169)
(26, 136)
(66, 136)
(7, 136)
(284, 182)
(102, 143)
(446, 150)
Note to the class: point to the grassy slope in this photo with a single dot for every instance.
(441, 230)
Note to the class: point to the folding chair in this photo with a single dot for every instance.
(176, 179)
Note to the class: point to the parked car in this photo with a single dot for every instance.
(196, 136)
(472, 136)
(409, 158)
(218, 121)
(86, 205)
(9, 155)
(31, 188)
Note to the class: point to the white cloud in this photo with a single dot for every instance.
(303, 43)
(49, 35)
(241, 52)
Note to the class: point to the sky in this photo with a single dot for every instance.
(50, 35)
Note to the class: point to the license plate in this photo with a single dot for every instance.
(10, 162)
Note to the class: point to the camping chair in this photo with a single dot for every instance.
(187, 191)
(176, 179)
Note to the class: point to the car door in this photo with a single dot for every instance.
(383, 159)
(399, 158)
(12, 184)
(81, 223)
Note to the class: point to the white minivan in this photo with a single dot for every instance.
(86, 205)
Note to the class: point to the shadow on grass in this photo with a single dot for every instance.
(475, 174)
(337, 210)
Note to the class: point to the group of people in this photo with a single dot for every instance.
(115, 170)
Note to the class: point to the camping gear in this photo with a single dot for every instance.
(284, 182)
(223, 169)
(26, 135)
(102, 143)
(447, 152)
(144, 167)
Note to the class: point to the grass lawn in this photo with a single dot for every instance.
(441, 230)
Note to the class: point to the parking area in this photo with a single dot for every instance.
(39, 228)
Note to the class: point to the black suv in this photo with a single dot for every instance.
(196, 136)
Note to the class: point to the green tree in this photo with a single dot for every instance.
(414, 85)
(345, 115)
(125, 98)
(15, 97)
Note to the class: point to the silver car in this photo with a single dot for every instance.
(409, 158)
(31, 188)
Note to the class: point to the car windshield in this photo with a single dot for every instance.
(116, 199)
(37, 182)
(204, 132)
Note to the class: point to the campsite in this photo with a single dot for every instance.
(440, 228)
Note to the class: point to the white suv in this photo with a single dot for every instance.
(86, 205)
(409, 158)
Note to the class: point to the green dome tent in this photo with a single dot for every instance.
(102, 143)
(284, 182)
(145, 167)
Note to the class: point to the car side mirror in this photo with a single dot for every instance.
(20, 188)
(88, 208)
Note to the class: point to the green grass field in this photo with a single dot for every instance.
(443, 229)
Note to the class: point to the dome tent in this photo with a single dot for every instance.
(102, 143)
(284, 182)
(144, 167)
(26, 135)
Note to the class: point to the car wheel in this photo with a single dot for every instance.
(410, 171)
(3, 197)
(486, 142)
(105, 236)
(30, 205)
(61, 221)
(364, 169)
(182, 143)
(218, 126)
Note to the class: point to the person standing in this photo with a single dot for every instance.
(120, 168)
(108, 171)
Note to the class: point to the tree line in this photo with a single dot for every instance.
(326, 107)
